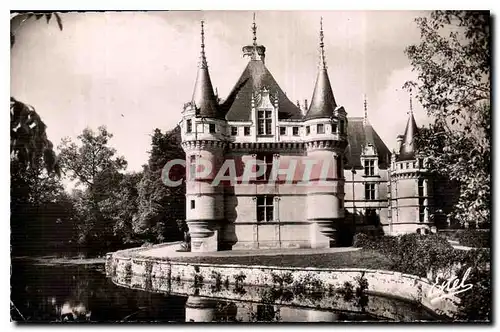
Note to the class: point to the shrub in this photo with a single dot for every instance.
(475, 304)
(361, 240)
(474, 238)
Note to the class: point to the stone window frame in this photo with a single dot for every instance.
(371, 190)
(266, 120)
(264, 207)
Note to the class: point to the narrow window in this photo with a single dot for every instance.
(265, 208)
(192, 204)
(338, 160)
(371, 217)
(282, 131)
(189, 126)
(369, 167)
(308, 130)
(341, 126)
(247, 131)
(211, 128)
(267, 159)
(264, 122)
(420, 187)
(334, 127)
(320, 128)
(295, 131)
(369, 191)
(234, 131)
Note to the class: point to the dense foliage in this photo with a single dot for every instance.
(425, 255)
(108, 210)
(452, 61)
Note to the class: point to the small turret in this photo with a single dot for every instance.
(408, 144)
(323, 102)
(203, 96)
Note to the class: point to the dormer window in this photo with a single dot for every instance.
(320, 128)
(189, 126)
(264, 121)
(369, 167)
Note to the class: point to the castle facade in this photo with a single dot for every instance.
(365, 187)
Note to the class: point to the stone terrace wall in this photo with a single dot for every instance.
(127, 271)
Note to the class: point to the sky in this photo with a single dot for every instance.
(133, 71)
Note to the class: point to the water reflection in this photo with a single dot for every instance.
(201, 309)
(84, 294)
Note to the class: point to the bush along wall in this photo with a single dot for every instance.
(432, 257)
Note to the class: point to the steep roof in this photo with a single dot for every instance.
(358, 136)
(203, 95)
(323, 102)
(237, 106)
(408, 146)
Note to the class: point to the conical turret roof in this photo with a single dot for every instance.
(204, 98)
(323, 102)
(408, 146)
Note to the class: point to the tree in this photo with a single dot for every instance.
(41, 212)
(28, 139)
(93, 164)
(453, 65)
(122, 207)
(161, 214)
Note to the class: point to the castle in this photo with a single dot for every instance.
(367, 188)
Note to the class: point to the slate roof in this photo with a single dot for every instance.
(408, 146)
(358, 136)
(237, 106)
(323, 102)
(204, 97)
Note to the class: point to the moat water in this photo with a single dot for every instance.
(63, 293)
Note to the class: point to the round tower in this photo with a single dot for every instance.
(326, 140)
(410, 184)
(203, 129)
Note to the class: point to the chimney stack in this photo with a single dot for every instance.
(305, 105)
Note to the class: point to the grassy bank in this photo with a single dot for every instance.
(367, 259)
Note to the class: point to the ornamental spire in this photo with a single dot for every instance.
(323, 102)
(255, 53)
(365, 118)
(322, 60)
(203, 95)
(408, 146)
(411, 102)
(203, 59)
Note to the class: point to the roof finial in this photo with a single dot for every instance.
(365, 119)
(254, 30)
(322, 61)
(411, 102)
(203, 62)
